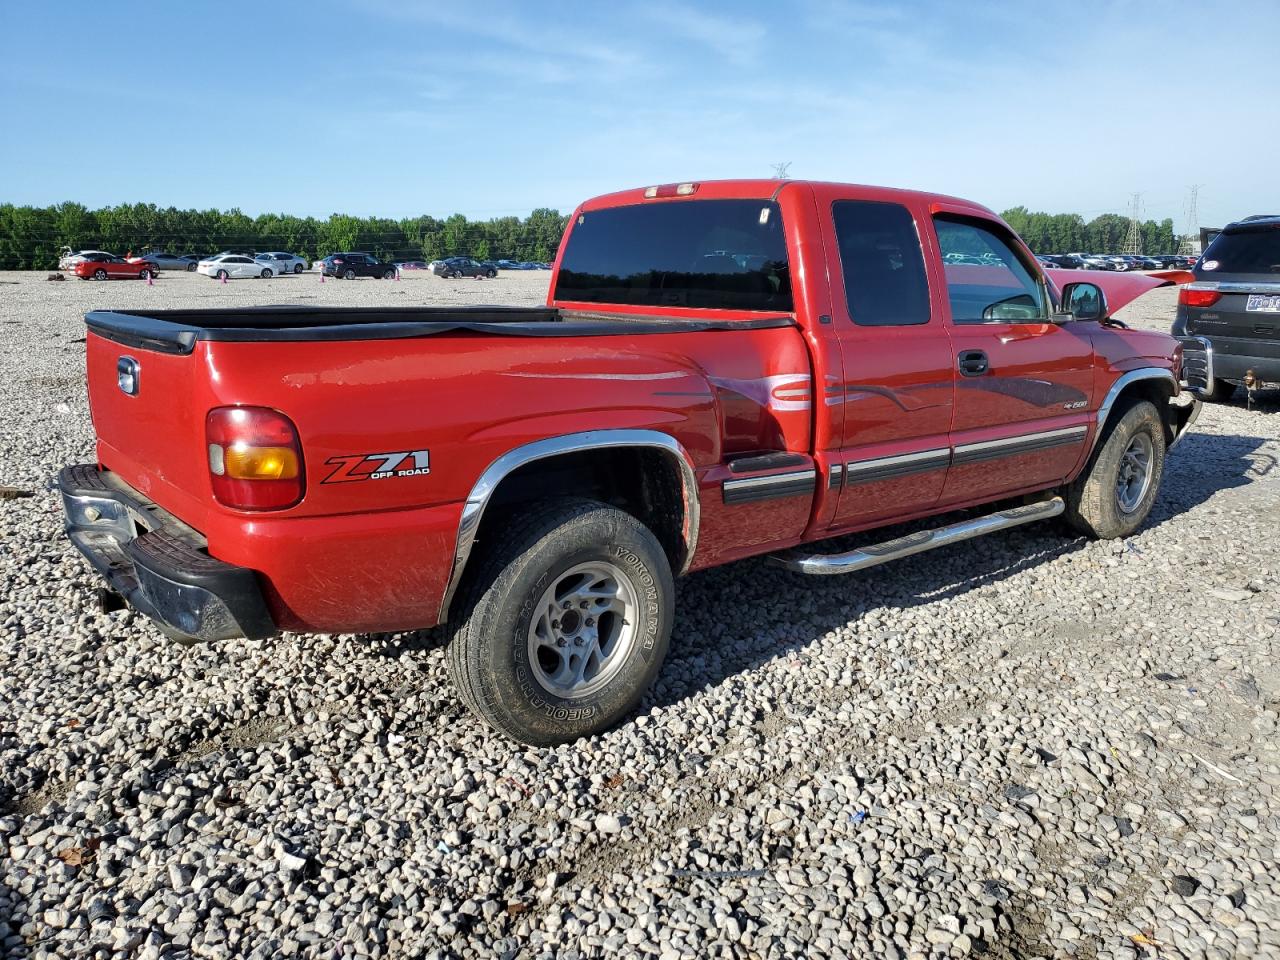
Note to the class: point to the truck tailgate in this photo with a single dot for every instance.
(151, 437)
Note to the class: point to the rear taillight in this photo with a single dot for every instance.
(1193, 296)
(255, 460)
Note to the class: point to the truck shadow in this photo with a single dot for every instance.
(703, 653)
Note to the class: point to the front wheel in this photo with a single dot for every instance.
(297, 268)
(389, 275)
(222, 275)
(144, 274)
(491, 274)
(265, 274)
(566, 624)
(1116, 491)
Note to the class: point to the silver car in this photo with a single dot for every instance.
(283, 262)
(171, 261)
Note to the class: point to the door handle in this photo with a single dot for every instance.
(972, 363)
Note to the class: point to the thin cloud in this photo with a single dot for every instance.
(736, 39)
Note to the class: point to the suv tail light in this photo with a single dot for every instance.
(1192, 296)
(255, 460)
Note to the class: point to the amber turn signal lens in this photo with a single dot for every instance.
(260, 463)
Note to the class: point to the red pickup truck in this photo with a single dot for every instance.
(721, 370)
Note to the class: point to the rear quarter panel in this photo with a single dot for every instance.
(376, 554)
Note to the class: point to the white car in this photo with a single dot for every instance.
(284, 262)
(69, 260)
(232, 266)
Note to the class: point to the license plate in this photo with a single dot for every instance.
(1263, 303)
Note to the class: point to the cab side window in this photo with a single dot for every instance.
(986, 281)
(883, 267)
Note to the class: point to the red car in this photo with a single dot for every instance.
(107, 266)
(722, 370)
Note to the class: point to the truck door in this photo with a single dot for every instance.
(1024, 385)
(897, 386)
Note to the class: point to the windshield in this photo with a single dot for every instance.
(714, 254)
(1248, 250)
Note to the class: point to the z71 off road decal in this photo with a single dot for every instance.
(379, 466)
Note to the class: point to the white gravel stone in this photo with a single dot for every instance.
(965, 753)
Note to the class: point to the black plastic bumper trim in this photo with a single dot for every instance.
(159, 565)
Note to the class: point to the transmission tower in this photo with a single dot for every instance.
(1133, 237)
(1190, 241)
(780, 170)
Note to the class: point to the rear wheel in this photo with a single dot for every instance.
(266, 273)
(191, 268)
(1114, 495)
(348, 274)
(566, 624)
(99, 274)
(455, 275)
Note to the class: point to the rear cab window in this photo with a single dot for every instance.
(712, 254)
(987, 279)
(882, 264)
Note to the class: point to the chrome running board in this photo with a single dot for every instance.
(876, 554)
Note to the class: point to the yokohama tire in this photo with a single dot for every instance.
(1094, 500)
(491, 656)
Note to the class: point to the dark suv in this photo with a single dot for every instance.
(1229, 318)
(352, 265)
(455, 267)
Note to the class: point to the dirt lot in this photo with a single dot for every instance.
(1028, 745)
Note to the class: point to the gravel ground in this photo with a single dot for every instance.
(1026, 746)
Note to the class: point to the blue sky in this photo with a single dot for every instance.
(399, 108)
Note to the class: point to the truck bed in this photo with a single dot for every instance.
(178, 331)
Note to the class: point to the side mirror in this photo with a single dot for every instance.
(1084, 301)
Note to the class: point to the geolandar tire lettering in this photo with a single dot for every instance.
(1114, 494)
(566, 623)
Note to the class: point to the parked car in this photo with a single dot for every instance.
(283, 262)
(68, 261)
(455, 267)
(1229, 319)
(658, 415)
(1062, 261)
(107, 266)
(348, 266)
(236, 266)
(1093, 261)
(171, 261)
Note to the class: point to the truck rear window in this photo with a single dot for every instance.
(1250, 249)
(716, 254)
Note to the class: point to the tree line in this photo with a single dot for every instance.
(31, 238)
(1047, 233)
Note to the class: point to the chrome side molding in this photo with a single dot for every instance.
(871, 556)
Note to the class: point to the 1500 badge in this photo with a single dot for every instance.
(378, 466)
